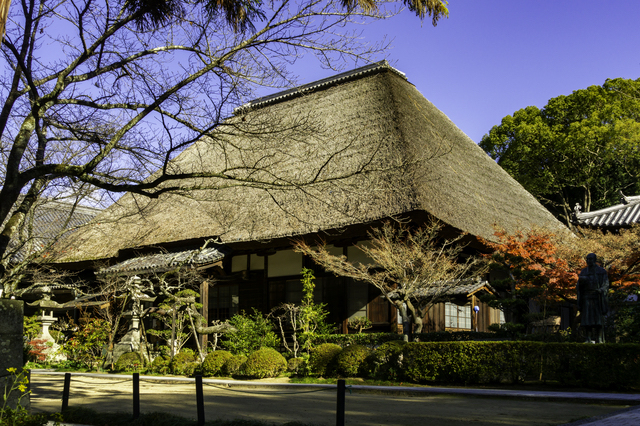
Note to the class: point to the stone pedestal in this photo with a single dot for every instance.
(11, 346)
(53, 351)
(130, 342)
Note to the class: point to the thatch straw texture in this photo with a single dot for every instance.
(375, 147)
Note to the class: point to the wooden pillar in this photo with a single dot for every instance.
(265, 286)
(204, 300)
(345, 298)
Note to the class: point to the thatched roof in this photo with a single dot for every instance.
(621, 215)
(375, 147)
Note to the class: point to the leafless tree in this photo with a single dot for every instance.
(93, 100)
(412, 268)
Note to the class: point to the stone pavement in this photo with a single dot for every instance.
(311, 404)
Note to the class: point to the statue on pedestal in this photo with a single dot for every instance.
(592, 288)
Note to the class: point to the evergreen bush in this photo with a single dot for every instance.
(348, 362)
(321, 359)
(160, 364)
(183, 363)
(297, 365)
(263, 363)
(233, 366)
(385, 363)
(214, 361)
(130, 361)
(603, 366)
(252, 333)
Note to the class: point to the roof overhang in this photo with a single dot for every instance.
(166, 261)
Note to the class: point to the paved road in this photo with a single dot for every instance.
(280, 403)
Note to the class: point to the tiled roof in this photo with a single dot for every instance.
(617, 216)
(161, 262)
(457, 288)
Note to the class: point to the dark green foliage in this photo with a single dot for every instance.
(297, 365)
(253, 332)
(321, 359)
(160, 364)
(350, 359)
(373, 340)
(579, 148)
(183, 363)
(32, 327)
(605, 366)
(131, 361)
(453, 336)
(213, 363)
(370, 340)
(263, 363)
(233, 366)
(384, 362)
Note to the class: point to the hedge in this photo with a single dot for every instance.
(373, 340)
(604, 366)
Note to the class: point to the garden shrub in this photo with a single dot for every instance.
(370, 340)
(129, 361)
(297, 365)
(373, 340)
(252, 333)
(263, 363)
(605, 366)
(233, 365)
(350, 359)
(384, 363)
(86, 344)
(183, 363)
(214, 361)
(321, 359)
(160, 364)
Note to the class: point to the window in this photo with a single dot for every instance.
(294, 293)
(456, 316)
(223, 302)
(358, 299)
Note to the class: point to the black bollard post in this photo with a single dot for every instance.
(65, 391)
(340, 409)
(200, 400)
(136, 395)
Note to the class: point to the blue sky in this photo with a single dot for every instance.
(491, 58)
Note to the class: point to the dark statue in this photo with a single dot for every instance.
(593, 285)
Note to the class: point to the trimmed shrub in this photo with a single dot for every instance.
(371, 340)
(265, 362)
(214, 362)
(129, 361)
(297, 365)
(160, 364)
(183, 363)
(605, 366)
(321, 359)
(385, 362)
(350, 359)
(233, 365)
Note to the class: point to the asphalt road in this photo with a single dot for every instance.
(310, 406)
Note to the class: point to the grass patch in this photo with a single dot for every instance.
(90, 417)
